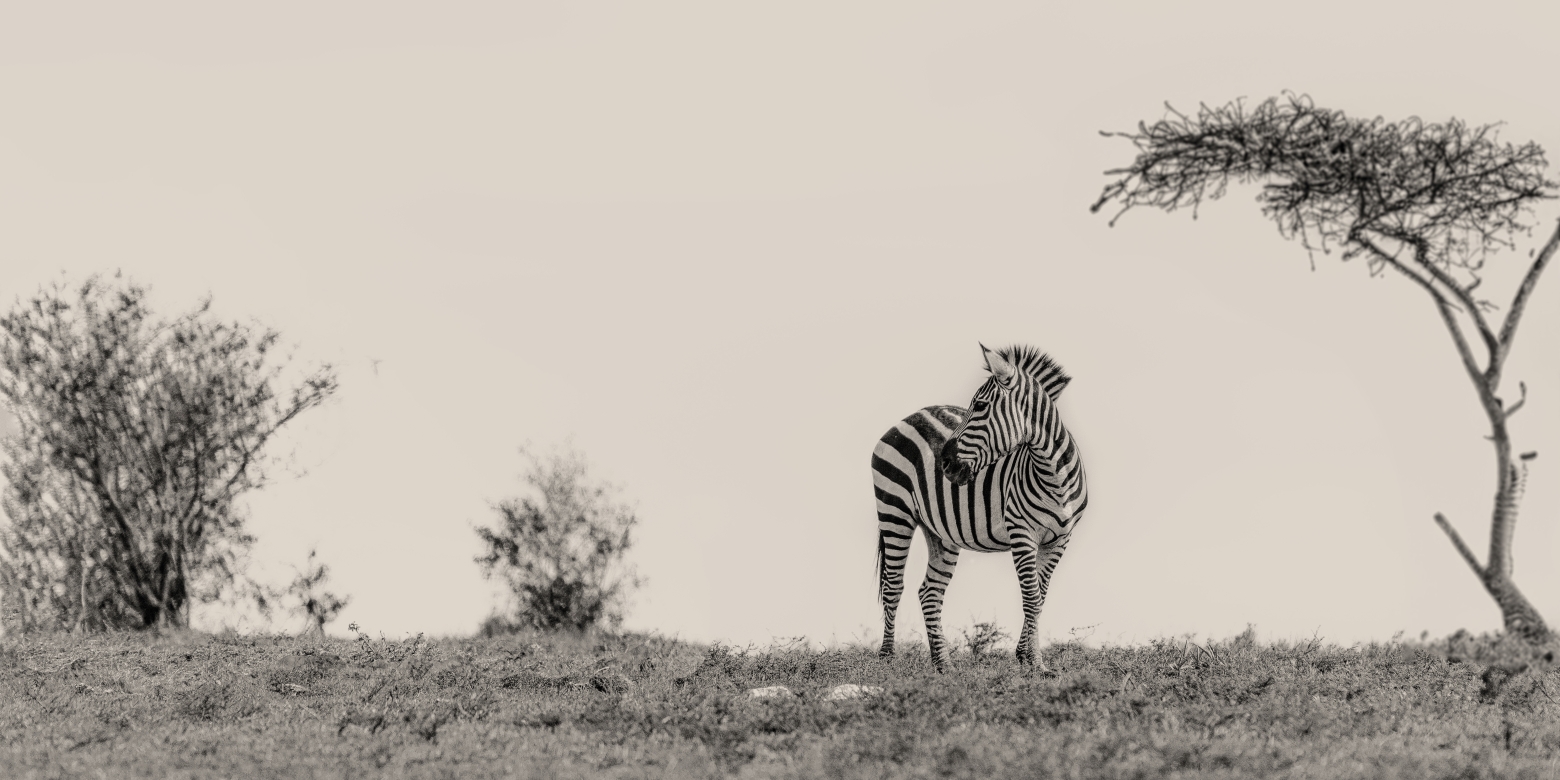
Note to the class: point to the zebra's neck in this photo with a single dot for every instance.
(1050, 462)
(1050, 440)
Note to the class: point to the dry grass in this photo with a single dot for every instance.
(633, 706)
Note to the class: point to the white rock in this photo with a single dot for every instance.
(851, 691)
(772, 692)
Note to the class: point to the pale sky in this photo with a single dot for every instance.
(725, 247)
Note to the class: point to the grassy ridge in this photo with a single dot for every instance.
(635, 706)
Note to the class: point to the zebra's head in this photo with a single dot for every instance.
(1005, 412)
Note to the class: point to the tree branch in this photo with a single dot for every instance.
(1464, 295)
(1508, 329)
(1470, 364)
(1457, 542)
(1520, 401)
(1491, 345)
(1390, 260)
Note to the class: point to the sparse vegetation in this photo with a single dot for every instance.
(531, 704)
(560, 551)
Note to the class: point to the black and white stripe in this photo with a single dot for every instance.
(1004, 475)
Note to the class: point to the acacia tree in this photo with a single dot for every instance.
(136, 436)
(1429, 202)
(560, 551)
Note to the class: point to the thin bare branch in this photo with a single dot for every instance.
(1457, 542)
(1448, 316)
(1511, 410)
(1462, 293)
(1389, 260)
(1508, 329)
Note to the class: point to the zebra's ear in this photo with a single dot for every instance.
(999, 368)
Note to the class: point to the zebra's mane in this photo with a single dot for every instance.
(1038, 365)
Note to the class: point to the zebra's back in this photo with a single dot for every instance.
(912, 490)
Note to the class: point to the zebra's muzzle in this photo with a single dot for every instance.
(957, 471)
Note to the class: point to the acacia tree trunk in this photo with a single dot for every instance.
(1518, 615)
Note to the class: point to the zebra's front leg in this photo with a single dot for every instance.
(1034, 564)
(940, 560)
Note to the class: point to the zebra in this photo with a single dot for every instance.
(1003, 475)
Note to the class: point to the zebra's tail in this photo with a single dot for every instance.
(882, 563)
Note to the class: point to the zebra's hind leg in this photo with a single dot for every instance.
(940, 560)
(894, 535)
(1034, 564)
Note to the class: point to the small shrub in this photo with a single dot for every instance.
(561, 551)
(719, 663)
(982, 638)
(315, 606)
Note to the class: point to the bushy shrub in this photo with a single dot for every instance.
(560, 551)
(134, 438)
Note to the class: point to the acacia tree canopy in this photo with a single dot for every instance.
(136, 436)
(1448, 191)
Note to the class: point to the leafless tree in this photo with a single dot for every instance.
(560, 551)
(136, 436)
(1430, 202)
